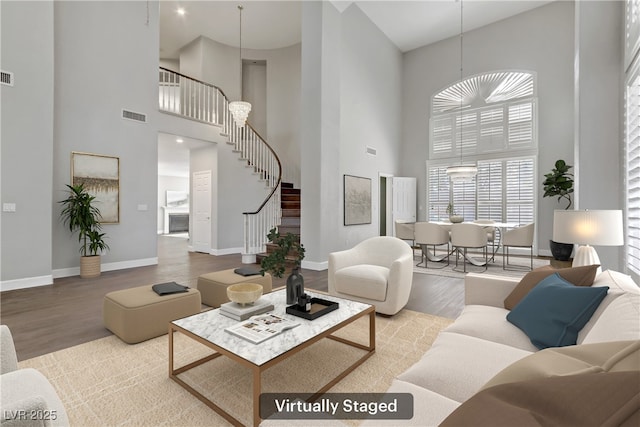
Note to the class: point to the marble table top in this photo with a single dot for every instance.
(210, 325)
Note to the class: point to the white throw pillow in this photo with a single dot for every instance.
(620, 321)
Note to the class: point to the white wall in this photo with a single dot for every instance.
(541, 41)
(351, 89)
(98, 72)
(254, 91)
(600, 113)
(26, 144)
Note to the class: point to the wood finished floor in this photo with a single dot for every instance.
(69, 312)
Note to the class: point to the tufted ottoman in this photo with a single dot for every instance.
(213, 286)
(139, 314)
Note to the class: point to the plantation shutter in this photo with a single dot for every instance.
(489, 181)
(632, 155)
(520, 125)
(520, 191)
(438, 191)
(464, 199)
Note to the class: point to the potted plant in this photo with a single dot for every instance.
(559, 183)
(288, 251)
(81, 215)
(453, 217)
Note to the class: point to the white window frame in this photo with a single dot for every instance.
(632, 171)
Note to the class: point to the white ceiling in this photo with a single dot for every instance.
(270, 24)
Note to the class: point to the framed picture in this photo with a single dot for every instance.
(357, 200)
(101, 178)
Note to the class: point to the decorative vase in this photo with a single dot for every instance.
(89, 266)
(295, 286)
(561, 251)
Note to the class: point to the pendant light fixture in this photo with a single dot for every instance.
(240, 109)
(461, 172)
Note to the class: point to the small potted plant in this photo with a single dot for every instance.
(288, 251)
(453, 217)
(80, 214)
(559, 183)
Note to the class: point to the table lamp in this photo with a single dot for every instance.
(588, 227)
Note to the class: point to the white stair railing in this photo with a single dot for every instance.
(196, 100)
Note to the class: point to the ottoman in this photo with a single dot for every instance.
(213, 286)
(139, 314)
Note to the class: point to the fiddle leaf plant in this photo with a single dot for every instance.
(289, 250)
(559, 182)
(81, 215)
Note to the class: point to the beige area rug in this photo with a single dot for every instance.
(494, 268)
(109, 383)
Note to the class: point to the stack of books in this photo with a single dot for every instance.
(237, 311)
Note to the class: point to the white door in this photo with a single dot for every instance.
(201, 236)
(404, 199)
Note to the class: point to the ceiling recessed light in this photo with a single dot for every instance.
(179, 140)
(180, 11)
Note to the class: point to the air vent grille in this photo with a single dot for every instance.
(132, 115)
(372, 151)
(6, 78)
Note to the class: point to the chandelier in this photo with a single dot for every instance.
(461, 172)
(240, 109)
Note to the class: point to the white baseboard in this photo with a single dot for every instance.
(27, 282)
(110, 266)
(227, 251)
(315, 266)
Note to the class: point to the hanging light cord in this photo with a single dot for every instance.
(240, 53)
(461, 77)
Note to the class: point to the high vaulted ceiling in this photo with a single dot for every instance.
(270, 24)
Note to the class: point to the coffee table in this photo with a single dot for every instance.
(208, 328)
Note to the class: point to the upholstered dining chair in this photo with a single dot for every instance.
(405, 231)
(377, 271)
(521, 237)
(491, 233)
(469, 236)
(432, 235)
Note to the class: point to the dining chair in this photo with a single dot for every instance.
(427, 235)
(469, 236)
(491, 234)
(405, 231)
(521, 237)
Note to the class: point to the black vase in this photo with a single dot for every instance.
(295, 286)
(561, 251)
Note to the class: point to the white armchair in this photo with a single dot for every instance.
(26, 396)
(377, 271)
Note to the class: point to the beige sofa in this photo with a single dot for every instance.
(27, 399)
(481, 343)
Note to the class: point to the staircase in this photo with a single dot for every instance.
(290, 222)
(196, 100)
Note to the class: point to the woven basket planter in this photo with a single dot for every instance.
(89, 266)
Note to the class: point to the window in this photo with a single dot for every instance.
(503, 190)
(632, 169)
(490, 119)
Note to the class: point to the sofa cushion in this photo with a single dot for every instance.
(576, 400)
(620, 320)
(572, 360)
(579, 276)
(554, 311)
(490, 323)
(616, 281)
(429, 408)
(457, 365)
(364, 280)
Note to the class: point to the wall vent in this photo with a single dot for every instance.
(372, 151)
(136, 117)
(6, 78)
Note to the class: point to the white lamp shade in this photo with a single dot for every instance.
(588, 227)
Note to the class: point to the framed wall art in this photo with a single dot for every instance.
(101, 178)
(357, 200)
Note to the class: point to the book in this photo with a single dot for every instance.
(169, 288)
(247, 271)
(238, 312)
(262, 327)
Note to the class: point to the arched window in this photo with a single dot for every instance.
(489, 119)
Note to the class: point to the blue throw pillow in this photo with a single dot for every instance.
(554, 311)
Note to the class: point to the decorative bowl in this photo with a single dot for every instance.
(244, 293)
(456, 219)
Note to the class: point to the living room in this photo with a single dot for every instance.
(74, 74)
